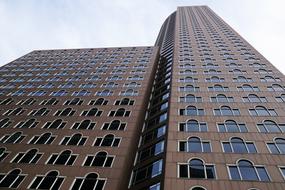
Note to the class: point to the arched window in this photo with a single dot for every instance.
(65, 112)
(269, 126)
(3, 153)
(280, 98)
(76, 139)
(107, 140)
(12, 138)
(101, 159)
(12, 179)
(74, 101)
(196, 168)
(226, 111)
(121, 112)
(245, 170)
(51, 180)
(100, 101)
(5, 123)
(90, 181)
(232, 126)
(85, 124)
(31, 123)
(189, 88)
(237, 145)
(262, 111)
(188, 79)
(215, 79)
(254, 98)
(105, 93)
(192, 110)
(190, 98)
(222, 98)
(237, 71)
(197, 188)
(218, 87)
(276, 88)
(64, 158)
(277, 146)
(194, 144)
(114, 125)
(92, 112)
(129, 92)
(193, 126)
(56, 124)
(30, 157)
(247, 87)
(45, 138)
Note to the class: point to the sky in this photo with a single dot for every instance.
(27, 25)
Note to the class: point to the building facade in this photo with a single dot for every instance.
(200, 110)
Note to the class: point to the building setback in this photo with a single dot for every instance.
(200, 110)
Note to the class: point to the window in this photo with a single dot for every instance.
(275, 87)
(129, 92)
(5, 123)
(282, 170)
(196, 168)
(52, 101)
(56, 124)
(197, 188)
(90, 181)
(269, 126)
(247, 87)
(110, 85)
(280, 98)
(232, 126)
(85, 124)
(6, 101)
(188, 79)
(107, 140)
(75, 140)
(74, 101)
(100, 159)
(37, 93)
(192, 110)
(221, 98)
(30, 157)
(104, 93)
(194, 144)
(153, 134)
(190, 98)
(189, 88)
(59, 93)
(218, 87)
(226, 111)
(121, 112)
(63, 158)
(87, 85)
(277, 146)
(262, 111)
(31, 123)
(16, 137)
(91, 112)
(237, 145)
(65, 112)
(147, 172)
(254, 98)
(242, 79)
(150, 151)
(3, 153)
(215, 79)
(51, 181)
(124, 101)
(245, 170)
(114, 125)
(99, 101)
(39, 112)
(29, 101)
(81, 93)
(45, 138)
(270, 79)
(12, 179)
(193, 126)
(14, 112)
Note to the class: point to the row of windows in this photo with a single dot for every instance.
(74, 101)
(51, 180)
(228, 111)
(243, 170)
(244, 87)
(121, 112)
(75, 139)
(231, 126)
(220, 79)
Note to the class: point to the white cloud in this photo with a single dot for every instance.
(33, 24)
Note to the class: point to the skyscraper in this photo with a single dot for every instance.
(200, 110)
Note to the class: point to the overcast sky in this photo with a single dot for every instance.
(27, 25)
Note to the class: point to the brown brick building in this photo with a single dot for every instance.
(200, 110)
